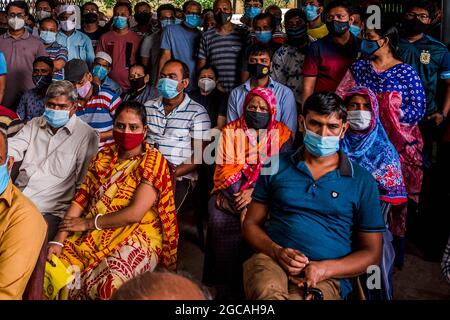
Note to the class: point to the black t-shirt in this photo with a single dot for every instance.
(215, 103)
(95, 36)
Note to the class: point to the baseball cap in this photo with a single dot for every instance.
(75, 69)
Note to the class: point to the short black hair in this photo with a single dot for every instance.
(422, 4)
(184, 66)
(273, 7)
(292, 13)
(208, 67)
(340, 3)
(18, 4)
(140, 66)
(47, 60)
(136, 106)
(256, 50)
(191, 2)
(321, 2)
(90, 3)
(325, 103)
(166, 6)
(260, 1)
(263, 16)
(49, 19)
(124, 4)
(142, 3)
(51, 3)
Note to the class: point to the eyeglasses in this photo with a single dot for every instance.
(413, 15)
(18, 15)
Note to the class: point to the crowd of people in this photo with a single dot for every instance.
(326, 132)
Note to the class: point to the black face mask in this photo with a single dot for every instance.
(414, 27)
(142, 18)
(338, 28)
(90, 17)
(137, 83)
(257, 120)
(42, 81)
(222, 18)
(258, 70)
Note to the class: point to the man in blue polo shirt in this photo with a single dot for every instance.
(325, 222)
(259, 64)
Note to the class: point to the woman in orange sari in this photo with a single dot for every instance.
(122, 221)
(244, 145)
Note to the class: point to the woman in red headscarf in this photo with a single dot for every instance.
(244, 146)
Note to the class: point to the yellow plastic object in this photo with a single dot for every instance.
(56, 277)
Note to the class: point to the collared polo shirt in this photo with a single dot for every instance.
(431, 59)
(57, 52)
(172, 134)
(19, 54)
(53, 164)
(22, 234)
(78, 45)
(318, 217)
(286, 105)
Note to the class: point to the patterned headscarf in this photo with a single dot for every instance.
(373, 150)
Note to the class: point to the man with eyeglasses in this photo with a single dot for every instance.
(151, 45)
(56, 150)
(44, 9)
(329, 58)
(20, 49)
(431, 59)
(180, 41)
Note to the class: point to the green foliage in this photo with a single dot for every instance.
(206, 4)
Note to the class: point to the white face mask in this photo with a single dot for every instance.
(42, 14)
(359, 120)
(16, 23)
(69, 24)
(206, 84)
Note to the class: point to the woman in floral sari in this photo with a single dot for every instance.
(242, 150)
(122, 221)
(402, 105)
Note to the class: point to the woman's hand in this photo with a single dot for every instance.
(72, 224)
(53, 249)
(223, 204)
(243, 198)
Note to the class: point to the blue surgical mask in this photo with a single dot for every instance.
(120, 22)
(166, 22)
(252, 12)
(47, 36)
(369, 47)
(263, 36)
(321, 146)
(168, 88)
(355, 30)
(311, 12)
(99, 72)
(178, 21)
(192, 20)
(4, 176)
(56, 118)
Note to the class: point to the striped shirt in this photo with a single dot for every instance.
(99, 111)
(172, 134)
(224, 52)
(10, 122)
(56, 52)
(446, 262)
